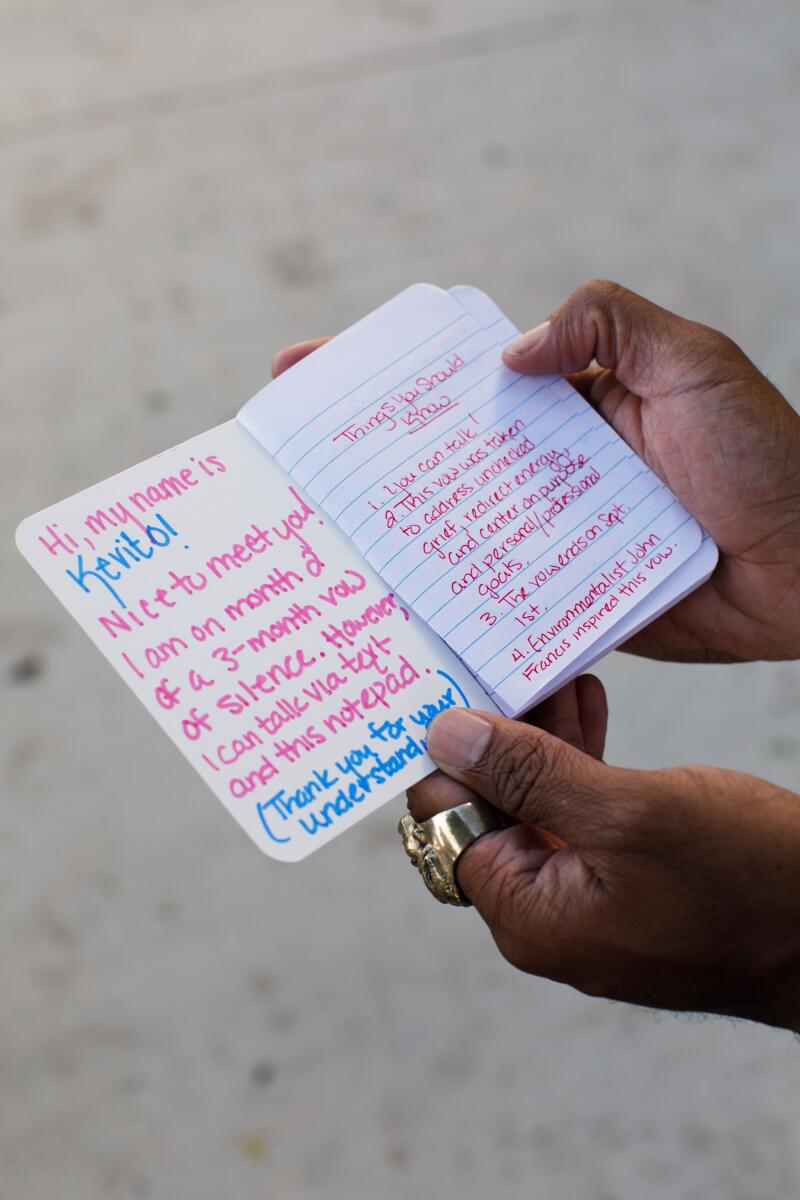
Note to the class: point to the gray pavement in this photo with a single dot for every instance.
(183, 188)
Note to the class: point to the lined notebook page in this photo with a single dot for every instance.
(683, 580)
(500, 507)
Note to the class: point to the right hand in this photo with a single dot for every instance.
(723, 439)
(693, 406)
(675, 889)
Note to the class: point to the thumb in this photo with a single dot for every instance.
(528, 774)
(645, 346)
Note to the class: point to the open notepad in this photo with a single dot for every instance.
(397, 525)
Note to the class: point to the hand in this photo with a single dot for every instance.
(725, 441)
(289, 355)
(694, 407)
(675, 889)
(577, 714)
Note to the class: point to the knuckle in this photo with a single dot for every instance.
(418, 799)
(521, 761)
(435, 793)
(598, 291)
(504, 892)
(590, 321)
(598, 300)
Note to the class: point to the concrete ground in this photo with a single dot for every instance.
(183, 188)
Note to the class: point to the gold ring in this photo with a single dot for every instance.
(435, 846)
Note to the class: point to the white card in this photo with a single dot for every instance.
(501, 507)
(285, 670)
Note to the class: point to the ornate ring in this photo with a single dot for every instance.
(435, 846)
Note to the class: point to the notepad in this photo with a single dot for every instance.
(397, 525)
(501, 507)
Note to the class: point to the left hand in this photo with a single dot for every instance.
(289, 355)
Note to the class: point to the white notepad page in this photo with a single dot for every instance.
(283, 668)
(500, 507)
(685, 579)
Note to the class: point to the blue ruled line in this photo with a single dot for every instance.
(548, 550)
(464, 316)
(514, 670)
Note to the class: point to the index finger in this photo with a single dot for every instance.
(289, 355)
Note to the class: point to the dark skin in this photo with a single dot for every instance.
(677, 888)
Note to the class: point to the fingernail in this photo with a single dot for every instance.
(529, 341)
(458, 738)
